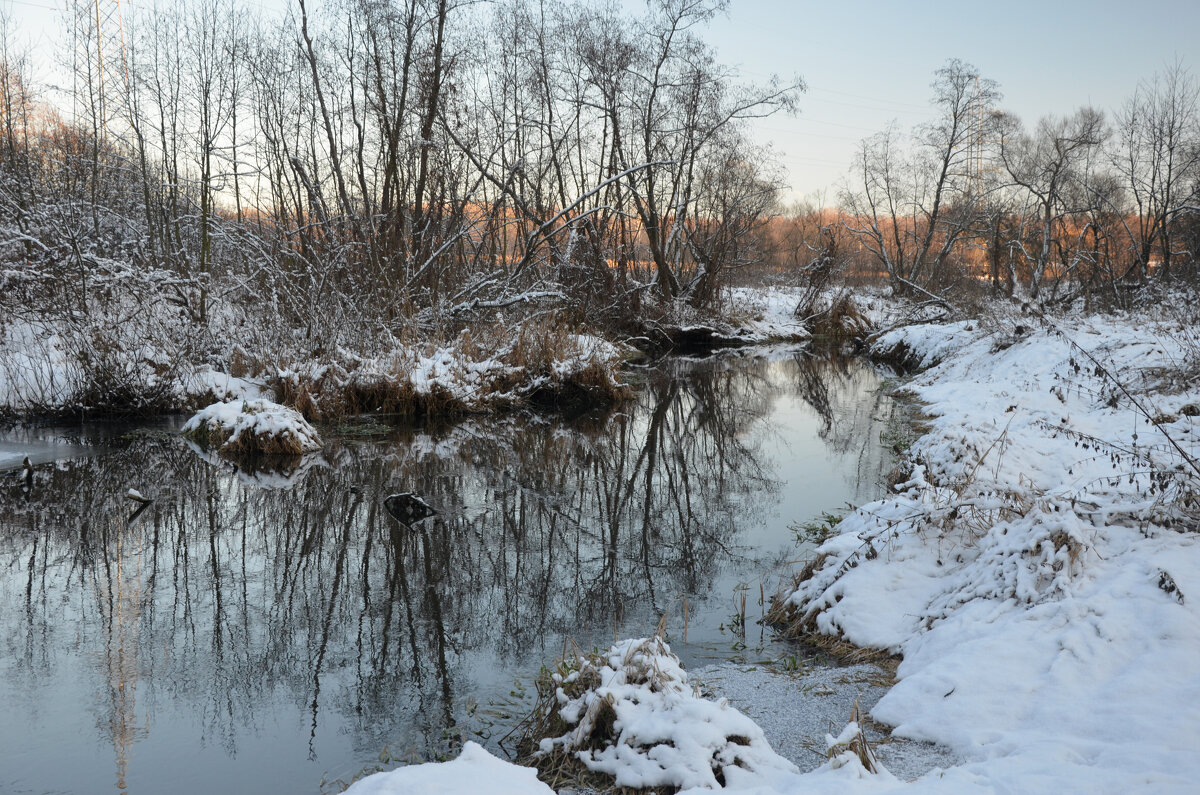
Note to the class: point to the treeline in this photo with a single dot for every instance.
(1081, 204)
(382, 165)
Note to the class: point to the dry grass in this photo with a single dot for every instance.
(483, 368)
(839, 319)
(576, 672)
(284, 444)
(857, 744)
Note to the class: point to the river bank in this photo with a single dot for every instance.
(161, 365)
(1036, 563)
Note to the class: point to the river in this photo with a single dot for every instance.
(274, 629)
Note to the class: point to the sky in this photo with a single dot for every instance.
(869, 63)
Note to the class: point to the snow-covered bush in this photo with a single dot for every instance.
(491, 367)
(252, 426)
(629, 713)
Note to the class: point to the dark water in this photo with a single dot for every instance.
(277, 631)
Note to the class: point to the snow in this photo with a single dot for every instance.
(223, 386)
(768, 313)
(1024, 570)
(666, 734)
(474, 771)
(34, 369)
(256, 418)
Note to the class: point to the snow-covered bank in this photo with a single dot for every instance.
(1037, 566)
(45, 373)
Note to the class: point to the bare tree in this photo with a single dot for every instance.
(910, 206)
(1157, 153)
(1051, 167)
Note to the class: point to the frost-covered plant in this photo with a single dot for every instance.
(630, 715)
(851, 745)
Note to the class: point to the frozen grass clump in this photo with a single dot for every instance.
(244, 427)
(628, 717)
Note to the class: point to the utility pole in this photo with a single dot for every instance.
(100, 56)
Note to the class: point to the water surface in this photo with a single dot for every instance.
(276, 630)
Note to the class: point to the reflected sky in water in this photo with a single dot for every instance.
(272, 628)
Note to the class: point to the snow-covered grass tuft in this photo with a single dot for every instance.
(243, 427)
(630, 716)
(851, 746)
(838, 316)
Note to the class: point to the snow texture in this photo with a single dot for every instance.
(1036, 569)
(769, 313)
(474, 771)
(663, 733)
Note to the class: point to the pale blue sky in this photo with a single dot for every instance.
(868, 63)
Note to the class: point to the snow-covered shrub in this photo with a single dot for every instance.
(630, 715)
(252, 426)
(837, 316)
(480, 369)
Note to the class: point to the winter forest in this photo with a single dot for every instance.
(271, 282)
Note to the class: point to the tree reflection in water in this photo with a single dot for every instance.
(242, 598)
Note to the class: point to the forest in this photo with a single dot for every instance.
(217, 190)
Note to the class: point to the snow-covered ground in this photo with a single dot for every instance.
(1037, 568)
(768, 313)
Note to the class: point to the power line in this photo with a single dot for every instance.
(872, 99)
(31, 5)
(872, 107)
